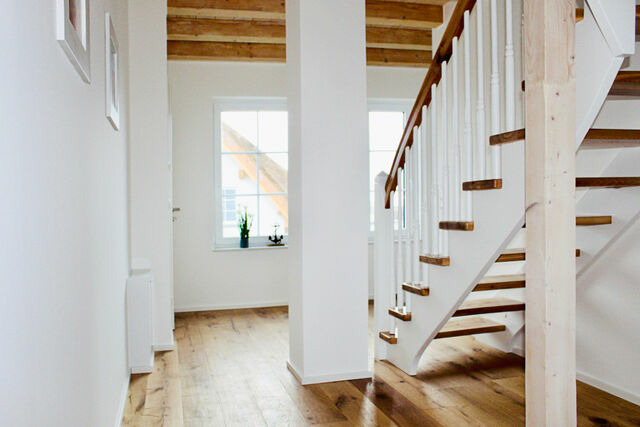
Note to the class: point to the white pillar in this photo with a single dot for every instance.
(328, 190)
(150, 160)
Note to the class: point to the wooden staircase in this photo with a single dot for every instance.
(439, 301)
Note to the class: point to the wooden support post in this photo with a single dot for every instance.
(550, 215)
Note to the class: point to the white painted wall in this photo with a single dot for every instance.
(205, 279)
(64, 251)
(150, 159)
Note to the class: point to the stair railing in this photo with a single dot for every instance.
(446, 142)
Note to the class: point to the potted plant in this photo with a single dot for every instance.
(245, 221)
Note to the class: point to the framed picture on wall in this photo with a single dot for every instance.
(112, 61)
(72, 32)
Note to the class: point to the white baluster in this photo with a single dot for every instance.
(424, 181)
(496, 154)
(509, 73)
(480, 117)
(398, 243)
(468, 139)
(457, 179)
(415, 178)
(402, 235)
(394, 265)
(434, 217)
(444, 189)
(408, 219)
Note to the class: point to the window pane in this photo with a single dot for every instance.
(273, 173)
(230, 229)
(379, 162)
(274, 210)
(238, 172)
(239, 131)
(273, 129)
(385, 129)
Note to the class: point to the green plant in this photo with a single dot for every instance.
(245, 221)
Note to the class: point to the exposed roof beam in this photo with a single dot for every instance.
(224, 9)
(267, 52)
(379, 12)
(403, 15)
(214, 30)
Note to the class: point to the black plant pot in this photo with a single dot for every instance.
(244, 242)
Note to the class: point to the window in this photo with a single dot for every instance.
(386, 124)
(251, 159)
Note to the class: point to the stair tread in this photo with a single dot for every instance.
(400, 313)
(611, 138)
(608, 182)
(505, 281)
(389, 337)
(469, 326)
(435, 260)
(588, 220)
(484, 184)
(519, 254)
(416, 288)
(488, 305)
(627, 83)
(595, 138)
(456, 225)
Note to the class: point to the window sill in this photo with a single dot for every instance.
(250, 248)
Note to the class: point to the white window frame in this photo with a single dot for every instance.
(236, 104)
(387, 105)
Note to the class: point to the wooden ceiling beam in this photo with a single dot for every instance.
(215, 30)
(269, 52)
(257, 31)
(384, 13)
(225, 9)
(403, 15)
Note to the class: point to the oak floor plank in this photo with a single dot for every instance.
(229, 369)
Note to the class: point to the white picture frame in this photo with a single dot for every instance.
(73, 34)
(112, 73)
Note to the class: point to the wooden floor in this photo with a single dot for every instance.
(229, 370)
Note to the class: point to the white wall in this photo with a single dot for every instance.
(150, 157)
(64, 256)
(205, 279)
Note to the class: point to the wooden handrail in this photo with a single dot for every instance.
(443, 53)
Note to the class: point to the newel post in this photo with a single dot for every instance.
(550, 122)
(383, 277)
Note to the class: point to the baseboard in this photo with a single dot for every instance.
(212, 307)
(164, 347)
(609, 388)
(141, 369)
(317, 379)
(123, 402)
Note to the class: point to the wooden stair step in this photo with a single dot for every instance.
(611, 138)
(507, 137)
(608, 182)
(435, 260)
(488, 305)
(519, 255)
(586, 221)
(595, 138)
(469, 326)
(389, 337)
(485, 184)
(627, 83)
(400, 313)
(496, 283)
(456, 225)
(416, 288)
